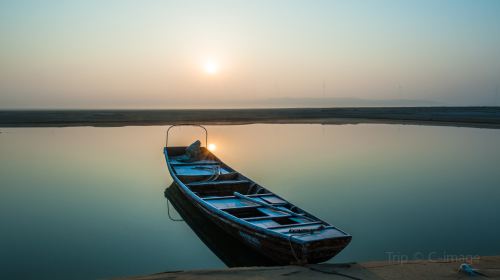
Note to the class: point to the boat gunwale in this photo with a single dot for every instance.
(242, 222)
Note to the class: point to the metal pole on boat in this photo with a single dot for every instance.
(172, 126)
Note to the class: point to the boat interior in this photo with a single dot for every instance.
(229, 191)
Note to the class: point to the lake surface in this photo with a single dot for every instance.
(86, 203)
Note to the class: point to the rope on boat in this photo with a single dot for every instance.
(303, 261)
(214, 176)
(170, 216)
(301, 232)
(299, 262)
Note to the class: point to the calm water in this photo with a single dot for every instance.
(88, 202)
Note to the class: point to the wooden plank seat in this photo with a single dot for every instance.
(224, 202)
(190, 178)
(232, 196)
(266, 217)
(282, 222)
(228, 203)
(218, 183)
(219, 188)
(231, 209)
(198, 162)
(199, 170)
(296, 225)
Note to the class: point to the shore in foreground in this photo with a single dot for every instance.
(432, 269)
(487, 117)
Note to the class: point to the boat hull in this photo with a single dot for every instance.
(282, 251)
(228, 249)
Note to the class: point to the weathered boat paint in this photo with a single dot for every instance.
(273, 241)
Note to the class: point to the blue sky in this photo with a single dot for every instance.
(114, 54)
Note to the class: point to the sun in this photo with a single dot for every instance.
(211, 67)
(212, 147)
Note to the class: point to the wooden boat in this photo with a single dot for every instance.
(249, 212)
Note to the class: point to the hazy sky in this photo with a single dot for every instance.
(114, 54)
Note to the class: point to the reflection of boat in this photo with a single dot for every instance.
(229, 249)
(250, 213)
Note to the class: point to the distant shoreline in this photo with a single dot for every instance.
(481, 117)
